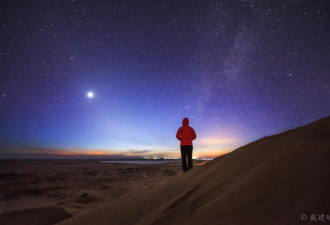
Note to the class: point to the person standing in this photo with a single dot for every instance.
(186, 135)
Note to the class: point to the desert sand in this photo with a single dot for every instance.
(41, 192)
(274, 180)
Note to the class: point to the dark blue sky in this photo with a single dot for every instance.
(240, 70)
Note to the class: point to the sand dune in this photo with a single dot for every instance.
(271, 181)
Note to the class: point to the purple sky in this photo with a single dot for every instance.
(240, 70)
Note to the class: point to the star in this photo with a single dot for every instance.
(90, 94)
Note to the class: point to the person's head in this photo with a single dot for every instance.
(185, 122)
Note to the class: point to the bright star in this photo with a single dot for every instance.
(90, 94)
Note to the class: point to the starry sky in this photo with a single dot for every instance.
(117, 77)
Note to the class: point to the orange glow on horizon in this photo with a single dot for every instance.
(198, 152)
(97, 153)
(210, 154)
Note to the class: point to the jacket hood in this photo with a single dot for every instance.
(185, 122)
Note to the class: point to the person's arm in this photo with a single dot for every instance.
(178, 135)
(193, 134)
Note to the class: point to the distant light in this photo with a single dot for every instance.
(90, 94)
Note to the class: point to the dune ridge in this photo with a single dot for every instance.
(271, 181)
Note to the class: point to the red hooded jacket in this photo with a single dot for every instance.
(185, 133)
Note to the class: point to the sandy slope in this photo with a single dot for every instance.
(270, 181)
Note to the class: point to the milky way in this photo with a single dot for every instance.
(240, 70)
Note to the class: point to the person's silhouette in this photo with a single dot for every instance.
(186, 135)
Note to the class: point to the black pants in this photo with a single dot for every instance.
(186, 153)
